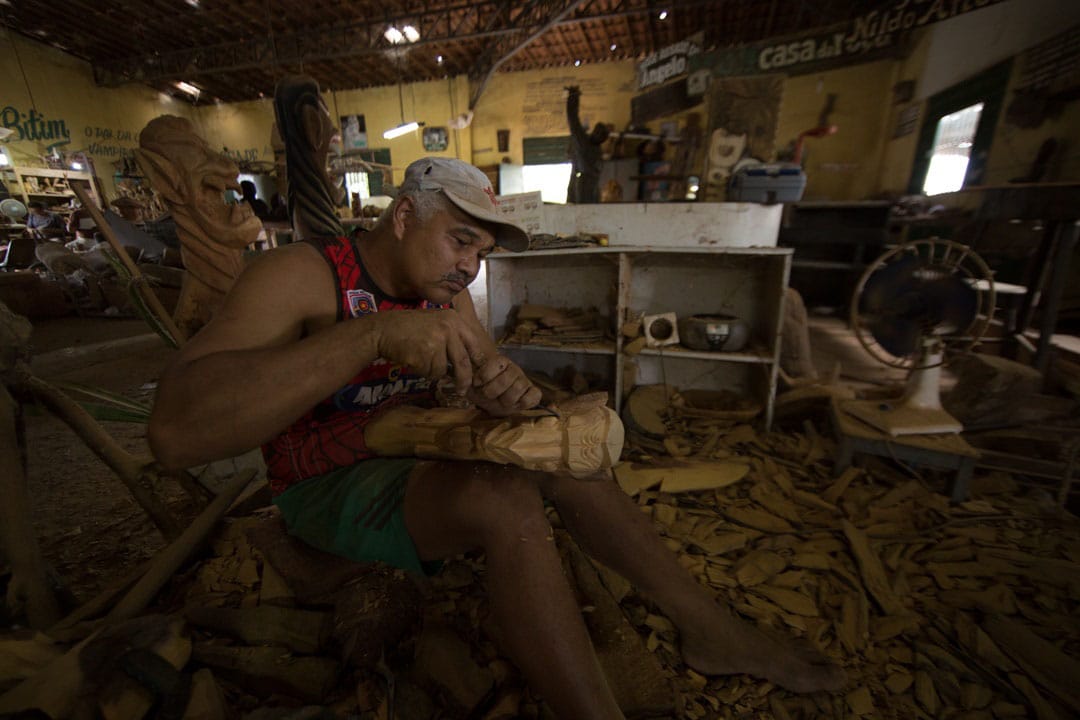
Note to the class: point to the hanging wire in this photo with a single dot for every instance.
(18, 60)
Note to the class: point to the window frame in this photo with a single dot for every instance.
(988, 87)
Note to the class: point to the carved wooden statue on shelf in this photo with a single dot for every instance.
(581, 437)
(191, 177)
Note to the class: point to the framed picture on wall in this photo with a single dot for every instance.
(436, 139)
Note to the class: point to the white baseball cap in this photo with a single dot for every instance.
(470, 190)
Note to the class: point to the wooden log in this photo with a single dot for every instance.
(141, 285)
(96, 605)
(28, 591)
(636, 678)
(581, 443)
(303, 631)
(126, 699)
(173, 556)
(266, 670)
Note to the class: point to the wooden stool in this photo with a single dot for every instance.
(947, 451)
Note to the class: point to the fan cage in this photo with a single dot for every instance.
(935, 255)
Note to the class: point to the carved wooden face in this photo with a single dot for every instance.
(208, 175)
(193, 179)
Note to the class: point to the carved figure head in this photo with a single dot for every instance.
(193, 178)
(303, 120)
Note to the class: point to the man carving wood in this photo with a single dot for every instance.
(321, 337)
(193, 178)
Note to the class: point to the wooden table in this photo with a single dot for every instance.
(947, 451)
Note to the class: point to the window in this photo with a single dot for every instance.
(356, 183)
(957, 129)
(952, 150)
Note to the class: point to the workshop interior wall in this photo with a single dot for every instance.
(846, 165)
(104, 123)
(863, 159)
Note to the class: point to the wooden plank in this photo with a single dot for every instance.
(873, 574)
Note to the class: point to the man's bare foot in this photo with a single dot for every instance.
(737, 647)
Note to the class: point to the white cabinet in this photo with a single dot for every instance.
(625, 281)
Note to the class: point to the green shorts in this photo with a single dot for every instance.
(356, 512)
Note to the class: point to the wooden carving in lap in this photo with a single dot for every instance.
(583, 437)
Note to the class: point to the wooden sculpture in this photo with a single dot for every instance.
(192, 179)
(582, 437)
(304, 124)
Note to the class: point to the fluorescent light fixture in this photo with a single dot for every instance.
(439, 59)
(411, 33)
(192, 3)
(403, 129)
(613, 46)
(577, 63)
(188, 88)
(76, 166)
(4, 162)
(394, 36)
(663, 14)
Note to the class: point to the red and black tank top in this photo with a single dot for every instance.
(331, 435)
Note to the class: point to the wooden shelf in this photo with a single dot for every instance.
(583, 349)
(676, 352)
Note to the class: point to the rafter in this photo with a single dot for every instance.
(543, 13)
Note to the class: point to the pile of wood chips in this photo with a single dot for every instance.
(934, 610)
(546, 325)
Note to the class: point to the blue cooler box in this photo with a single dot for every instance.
(768, 183)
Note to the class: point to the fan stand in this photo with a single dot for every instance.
(919, 412)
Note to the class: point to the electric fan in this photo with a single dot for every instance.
(915, 307)
(13, 209)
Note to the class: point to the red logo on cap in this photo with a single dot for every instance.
(491, 194)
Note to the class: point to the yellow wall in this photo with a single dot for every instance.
(1014, 148)
(433, 103)
(533, 104)
(844, 166)
(103, 122)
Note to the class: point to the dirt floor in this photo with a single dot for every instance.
(90, 528)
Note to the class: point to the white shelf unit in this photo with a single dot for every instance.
(623, 282)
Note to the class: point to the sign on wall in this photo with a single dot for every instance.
(872, 35)
(34, 126)
(670, 62)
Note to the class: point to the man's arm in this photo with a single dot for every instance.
(573, 105)
(251, 371)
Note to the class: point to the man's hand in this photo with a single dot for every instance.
(431, 342)
(499, 387)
